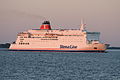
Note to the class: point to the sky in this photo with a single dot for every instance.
(99, 16)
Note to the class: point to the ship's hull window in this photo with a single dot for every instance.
(95, 47)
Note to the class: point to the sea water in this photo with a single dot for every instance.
(16, 65)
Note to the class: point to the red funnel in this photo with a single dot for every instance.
(46, 25)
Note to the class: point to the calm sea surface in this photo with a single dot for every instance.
(59, 65)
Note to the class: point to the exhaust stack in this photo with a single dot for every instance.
(46, 25)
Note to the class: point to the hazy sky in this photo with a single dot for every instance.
(99, 15)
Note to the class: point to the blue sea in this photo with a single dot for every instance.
(59, 65)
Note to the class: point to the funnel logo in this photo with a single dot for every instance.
(69, 47)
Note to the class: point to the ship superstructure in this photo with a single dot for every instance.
(48, 39)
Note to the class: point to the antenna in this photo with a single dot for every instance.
(82, 27)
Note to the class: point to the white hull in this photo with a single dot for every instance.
(46, 39)
(93, 47)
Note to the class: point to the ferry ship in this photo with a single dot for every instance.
(61, 40)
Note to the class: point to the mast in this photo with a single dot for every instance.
(82, 26)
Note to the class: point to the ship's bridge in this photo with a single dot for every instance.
(93, 36)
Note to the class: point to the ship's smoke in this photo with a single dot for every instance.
(26, 14)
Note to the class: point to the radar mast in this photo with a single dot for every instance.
(82, 26)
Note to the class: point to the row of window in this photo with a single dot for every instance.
(70, 35)
(58, 35)
(44, 37)
(49, 39)
(24, 43)
(23, 37)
